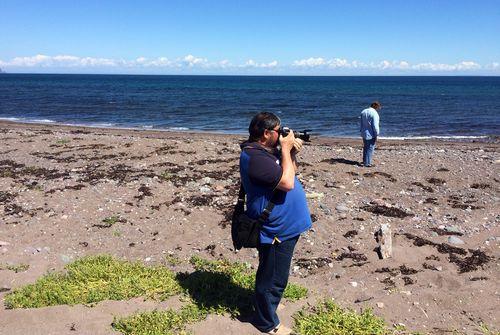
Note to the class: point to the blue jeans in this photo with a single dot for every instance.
(368, 149)
(271, 281)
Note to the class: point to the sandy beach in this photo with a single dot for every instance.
(173, 193)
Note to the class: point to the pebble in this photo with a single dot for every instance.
(380, 304)
(353, 284)
(325, 209)
(455, 240)
(4, 244)
(314, 195)
(453, 229)
(341, 208)
(65, 258)
(31, 250)
(205, 189)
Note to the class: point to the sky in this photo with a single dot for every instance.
(232, 37)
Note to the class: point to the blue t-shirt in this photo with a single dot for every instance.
(261, 172)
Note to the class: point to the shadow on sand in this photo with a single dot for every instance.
(217, 291)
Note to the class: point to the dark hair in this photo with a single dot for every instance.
(375, 105)
(261, 122)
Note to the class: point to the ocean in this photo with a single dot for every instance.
(413, 107)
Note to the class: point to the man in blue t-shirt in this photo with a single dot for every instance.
(265, 170)
(369, 129)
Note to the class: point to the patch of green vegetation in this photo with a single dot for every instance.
(117, 233)
(167, 322)
(62, 141)
(486, 330)
(111, 220)
(96, 278)
(327, 318)
(16, 268)
(173, 260)
(166, 175)
(224, 287)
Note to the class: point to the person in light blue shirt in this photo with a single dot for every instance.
(370, 129)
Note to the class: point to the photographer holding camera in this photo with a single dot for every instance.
(268, 175)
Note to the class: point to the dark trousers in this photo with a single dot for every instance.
(271, 280)
(368, 149)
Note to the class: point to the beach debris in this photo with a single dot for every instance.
(452, 230)
(382, 174)
(144, 191)
(471, 263)
(432, 267)
(386, 211)
(436, 181)
(463, 201)
(355, 256)
(351, 233)
(481, 186)
(424, 187)
(384, 239)
(363, 298)
(477, 258)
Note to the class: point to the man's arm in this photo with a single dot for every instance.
(287, 180)
(376, 128)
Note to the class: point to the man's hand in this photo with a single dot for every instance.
(297, 145)
(287, 143)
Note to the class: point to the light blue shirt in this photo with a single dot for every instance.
(369, 126)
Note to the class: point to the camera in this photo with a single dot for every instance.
(303, 135)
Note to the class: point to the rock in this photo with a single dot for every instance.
(30, 250)
(330, 184)
(66, 259)
(325, 209)
(455, 240)
(384, 236)
(207, 180)
(453, 229)
(4, 244)
(315, 195)
(380, 304)
(205, 189)
(353, 284)
(341, 208)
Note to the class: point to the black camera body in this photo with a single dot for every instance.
(303, 135)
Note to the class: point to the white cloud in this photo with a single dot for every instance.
(192, 63)
(310, 62)
(253, 64)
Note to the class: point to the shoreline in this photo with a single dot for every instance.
(320, 139)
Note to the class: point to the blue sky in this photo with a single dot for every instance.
(251, 37)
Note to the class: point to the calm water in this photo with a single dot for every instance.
(412, 106)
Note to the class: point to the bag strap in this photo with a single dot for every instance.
(267, 210)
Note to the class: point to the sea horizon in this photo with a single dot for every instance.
(413, 106)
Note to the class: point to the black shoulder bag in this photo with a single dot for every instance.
(245, 231)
